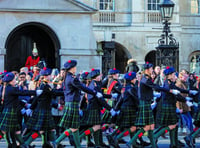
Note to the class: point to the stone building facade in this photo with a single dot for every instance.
(98, 33)
(135, 26)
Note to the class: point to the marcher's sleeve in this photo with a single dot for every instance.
(104, 103)
(149, 83)
(76, 83)
(17, 92)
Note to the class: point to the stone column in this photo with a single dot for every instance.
(2, 58)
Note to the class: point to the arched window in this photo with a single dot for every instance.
(106, 5)
(195, 63)
(153, 5)
(195, 6)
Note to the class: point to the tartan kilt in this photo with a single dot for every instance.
(127, 117)
(71, 118)
(9, 120)
(83, 119)
(106, 117)
(167, 115)
(144, 114)
(93, 117)
(41, 120)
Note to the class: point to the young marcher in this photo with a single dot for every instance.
(128, 105)
(41, 122)
(71, 118)
(9, 120)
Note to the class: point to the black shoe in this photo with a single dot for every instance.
(181, 143)
(60, 146)
(31, 146)
(23, 146)
(172, 146)
(144, 143)
(136, 145)
(90, 145)
(103, 145)
(188, 142)
(122, 141)
(46, 145)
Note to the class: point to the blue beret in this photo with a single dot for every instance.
(45, 71)
(113, 71)
(147, 65)
(84, 76)
(70, 64)
(130, 76)
(94, 73)
(169, 70)
(8, 77)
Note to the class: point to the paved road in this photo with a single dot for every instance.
(163, 143)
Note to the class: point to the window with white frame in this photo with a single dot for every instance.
(153, 5)
(195, 6)
(106, 5)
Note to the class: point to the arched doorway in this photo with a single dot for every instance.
(20, 41)
(151, 57)
(121, 57)
(115, 55)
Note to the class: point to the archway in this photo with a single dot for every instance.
(151, 57)
(121, 57)
(20, 41)
(115, 55)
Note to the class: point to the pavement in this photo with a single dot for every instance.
(162, 143)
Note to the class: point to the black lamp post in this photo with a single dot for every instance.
(167, 53)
